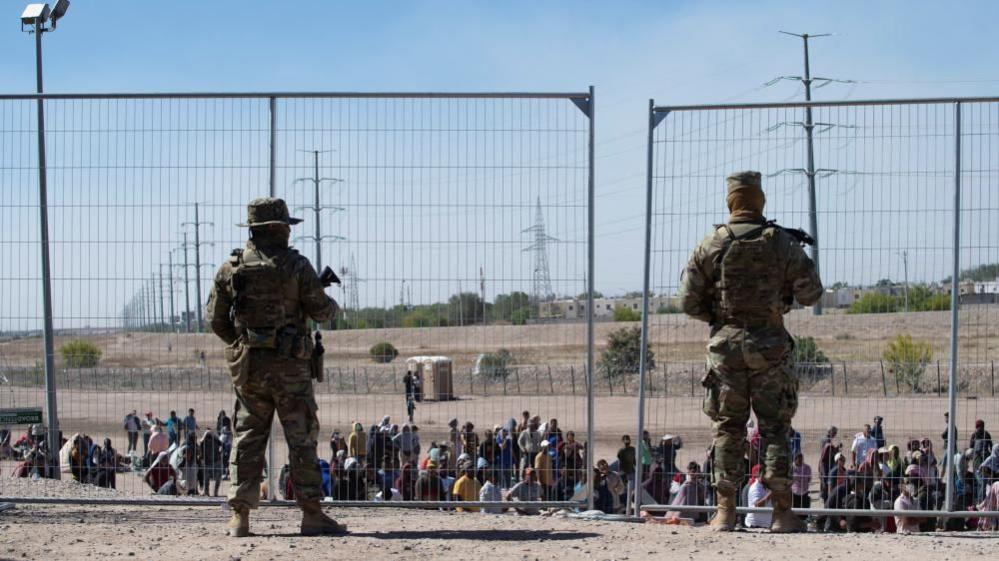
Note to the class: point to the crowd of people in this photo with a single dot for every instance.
(530, 460)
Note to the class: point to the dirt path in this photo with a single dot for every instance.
(161, 533)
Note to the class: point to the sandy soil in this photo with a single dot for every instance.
(168, 533)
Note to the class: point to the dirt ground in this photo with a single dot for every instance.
(168, 533)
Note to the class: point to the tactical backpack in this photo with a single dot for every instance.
(749, 279)
(265, 298)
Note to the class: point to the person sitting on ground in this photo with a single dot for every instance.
(759, 497)
(827, 462)
(528, 490)
(656, 484)
(490, 492)
(406, 482)
(159, 473)
(989, 471)
(613, 484)
(429, 486)
(691, 493)
(906, 501)
(357, 444)
(801, 480)
(488, 448)
(466, 489)
(106, 461)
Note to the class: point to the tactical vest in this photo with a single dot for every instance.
(266, 306)
(748, 277)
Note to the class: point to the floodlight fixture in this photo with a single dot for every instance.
(59, 10)
(35, 14)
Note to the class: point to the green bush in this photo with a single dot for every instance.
(383, 352)
(495, 365)
(520, 316)
(907, 360)
(626, 314)
(80, 354)
(806, 350)
(921, 299)
(668, 309)
(623, 352)
(876, 303)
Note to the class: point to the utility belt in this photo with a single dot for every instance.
(288, 341)
(749, 323)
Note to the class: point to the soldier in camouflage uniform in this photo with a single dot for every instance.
(741, 279)
(260, 302)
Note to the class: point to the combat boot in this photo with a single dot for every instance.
(239, 524)
(316, 523)
(784, 521)
(724, 519)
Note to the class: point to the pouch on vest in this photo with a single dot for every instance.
(237, 358)
(750, 281)
(259, 307)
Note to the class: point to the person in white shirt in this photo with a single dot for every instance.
(862, 442)
(490, 492)
(759, 496)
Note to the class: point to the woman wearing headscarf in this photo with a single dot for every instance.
(357, 444)
(657, 484)
(895, 469)
(406, 482)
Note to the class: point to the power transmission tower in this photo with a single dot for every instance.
(810, 171)
(169, 265)
(541, 289)
(352, 300)
(197, 224)
(318, 207)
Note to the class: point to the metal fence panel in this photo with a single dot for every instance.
(886, 177)
(451, 219)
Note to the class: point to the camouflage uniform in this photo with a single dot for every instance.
(270, 367)
(741, 279)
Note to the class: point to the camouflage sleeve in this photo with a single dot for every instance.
(694, 286)
(217, 312)
(315, 303)
(802, 278)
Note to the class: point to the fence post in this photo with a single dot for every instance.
(955, 297)
(993, 378)
(551, 383)
(665, 381)
(610, 382)
(884, 384)
(471, 388)
(938, 378)
(846, 383)
(517, 372)
(354, 372)
(572, 377)
(537, 382)
(367, 383)
(394, 387)
(692, 379)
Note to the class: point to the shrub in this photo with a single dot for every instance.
(626, 314)
(623, 354)
(520, 316)
(907, 360)
(494, 365)
(383, 352)
(875, 303)
(668, 309)
(80, 354)
(806, 350)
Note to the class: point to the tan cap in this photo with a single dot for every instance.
(743, 180)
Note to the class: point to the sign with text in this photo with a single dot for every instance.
(22, 416)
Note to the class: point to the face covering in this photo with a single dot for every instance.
(911, 489)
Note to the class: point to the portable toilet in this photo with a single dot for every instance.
(435, 374)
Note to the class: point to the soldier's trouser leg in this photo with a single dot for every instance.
(296, 407)
(726, 402)
(774, 395)
(252, 427)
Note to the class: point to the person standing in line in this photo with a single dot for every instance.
(260, 302)
(148, 424)
(741, 280)
(133, 426)
(878, 431)
(190, 425)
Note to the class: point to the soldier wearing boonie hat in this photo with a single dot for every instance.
(260, 301)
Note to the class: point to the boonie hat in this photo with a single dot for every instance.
(267, 210)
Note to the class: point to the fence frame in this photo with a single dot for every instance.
(584, 101)
(658, 113)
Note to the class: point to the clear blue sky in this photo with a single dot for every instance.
(675, 52)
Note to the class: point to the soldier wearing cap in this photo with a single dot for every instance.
(741, 280)
(260, 301)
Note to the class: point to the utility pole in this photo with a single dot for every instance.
(197, 223)
(905, 268)
(168, 320)
(173, 311)
(809, 126)
(187, 289)
(317, 206)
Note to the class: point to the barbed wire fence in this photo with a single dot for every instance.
(426, 205)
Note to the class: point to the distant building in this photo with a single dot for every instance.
(603, 308)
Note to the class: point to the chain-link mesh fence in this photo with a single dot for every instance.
(879, 197)
(451, 220)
